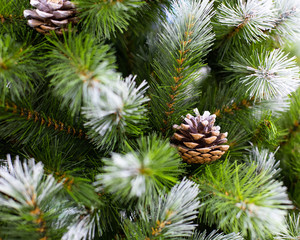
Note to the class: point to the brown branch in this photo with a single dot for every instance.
(49, 122)
(283, 17)
(234, 107)
(239, 27)
(66, 180)
(179, 68)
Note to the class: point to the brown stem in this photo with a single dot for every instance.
(49, 122)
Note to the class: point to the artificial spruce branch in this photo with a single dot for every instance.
(41, 119)
(142, 173)
(18, 68)
(243, 20)
(118, 113)
(293, 228)
(264, 74)
(286, 27)
(183, 40)
(11, 10)
(168, 216)
(79, 67)
(26, 201)
(105, 18)
(214, 235)
(99, 172)
(242, 200)
(264, 160)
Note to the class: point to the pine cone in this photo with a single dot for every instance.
(198, 140)
(51, 15)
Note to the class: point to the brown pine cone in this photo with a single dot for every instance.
(51, 15)
(198, 140)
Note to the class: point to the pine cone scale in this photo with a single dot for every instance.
(198, 140)
(51, 15)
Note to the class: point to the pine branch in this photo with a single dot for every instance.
(40, 118)
(105, 18)
(291, 120)
(27, 127)
(293, 223)
(216, 236)
(18, 68)
(183, 41)
(237, 198)
(240, 20)
(12, 9)
(286, 27)
(26, 201)
(264, 132)
(118, 114)
(264, 160)
(92, 223)
(143, 173)
(169, 216)
(79, 68)
(264, 74)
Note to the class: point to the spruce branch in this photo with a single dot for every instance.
(118, 113)
(26, 201)
(40, 118)
(214, 235)
(169, 216)
(183, 41)
(88, 225)
(286, 27)
(12, 9)
(264, 160)
(23, 126)
(79, 67)
(141, 174)
(237, 198)
(17, 68)
(265, 74)
(243, 20)
(293, 231)
(105, 18)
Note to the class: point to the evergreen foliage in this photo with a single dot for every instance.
(86, 119)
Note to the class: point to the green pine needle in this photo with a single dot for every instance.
(242, 200)
(141, 174)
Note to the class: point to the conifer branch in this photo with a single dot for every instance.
(293, 228)
(10, 18)
(242, 20)
(119, 112)
(79, 68)
(183, 42)
(214, 235)
(43, 120)
(264, 160)
(291, 119)
(291, 132)
(168, 216)
(265, 74)
(105, 18)
(143, 173)
(25, 197)
(235, 107)
(242, 200)
(17, 68)
(286, 27)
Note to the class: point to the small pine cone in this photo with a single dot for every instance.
(198, 140)
(51, 15)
